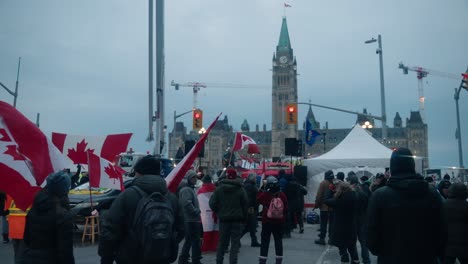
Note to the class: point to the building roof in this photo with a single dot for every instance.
(284, 41)
(245, 126)
(415, 118)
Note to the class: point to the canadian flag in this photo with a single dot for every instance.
(27, 157)
(208, 218)
(76, 147)
(242, 140)
(177, 174)
(102, 174)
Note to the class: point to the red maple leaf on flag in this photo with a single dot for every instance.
(4, 135)
(79, 155)
(12, 150)
(112, 172)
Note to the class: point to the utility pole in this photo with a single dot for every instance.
(382, 89)
(15, 93)
(150, 71)
(160, 127)
(463, 84)
(37, 119)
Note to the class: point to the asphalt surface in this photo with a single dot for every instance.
(300, 248)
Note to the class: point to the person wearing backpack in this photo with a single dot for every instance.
(275, 208)
(188, 203)
(230, 203)
(142, 224)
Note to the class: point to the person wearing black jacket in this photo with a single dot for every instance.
(405, 221)
(48, 232)
(295, 194)
(344, 232)
(229, 203)
(362, 202)
(456, 216)
(250, 186)
(115, 244)
(3, 214)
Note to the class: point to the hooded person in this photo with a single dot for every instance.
(115, 242)
(456, 216)
(230, 203)
(190, 207)
(405, 221)
(50, 214)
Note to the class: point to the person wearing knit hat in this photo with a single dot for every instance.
(148, 165)
(188, 202)
(230, 203)
(406, 213)
(49, 223)
(402, 162)
(326, 213)
(58, 184)
(231, 174)
(113, 246)
(340, 176)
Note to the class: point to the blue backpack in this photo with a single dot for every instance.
(313, 217)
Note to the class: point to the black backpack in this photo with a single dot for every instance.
(153, 228)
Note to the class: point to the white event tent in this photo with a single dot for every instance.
(358, 151)
(358, 148)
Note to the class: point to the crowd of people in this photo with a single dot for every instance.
(400, 217)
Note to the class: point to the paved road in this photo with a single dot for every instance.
(298, 249)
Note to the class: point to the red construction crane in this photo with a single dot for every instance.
(196, 88)
(422, 73)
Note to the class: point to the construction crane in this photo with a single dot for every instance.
(195, 86)
(422, 73)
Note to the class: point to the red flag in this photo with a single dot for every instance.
(208, 217)
(27, 157)
(76, 147)
(178, 173)
(102, 174)
(242, 140)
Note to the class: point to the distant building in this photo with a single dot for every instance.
(271, 143)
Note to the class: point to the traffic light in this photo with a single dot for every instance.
(291, 110)
(197, 119)
(465, 81)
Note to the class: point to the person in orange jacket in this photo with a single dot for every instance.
(17, 222)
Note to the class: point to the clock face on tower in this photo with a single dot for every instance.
(283, 59)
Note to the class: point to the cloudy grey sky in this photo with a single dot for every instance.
(84, 63)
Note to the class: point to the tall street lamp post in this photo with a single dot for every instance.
(382, 89)
(464, 85)
(15, 93)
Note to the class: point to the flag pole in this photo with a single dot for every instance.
(232, 150)
(89, 185)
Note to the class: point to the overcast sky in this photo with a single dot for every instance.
(84, 63)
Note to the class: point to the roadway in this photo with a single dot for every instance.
(300, 248)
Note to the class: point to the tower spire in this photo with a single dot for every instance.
(284, 41)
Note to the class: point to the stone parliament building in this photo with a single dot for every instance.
(412, 134)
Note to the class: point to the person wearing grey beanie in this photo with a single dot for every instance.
(49, 226)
